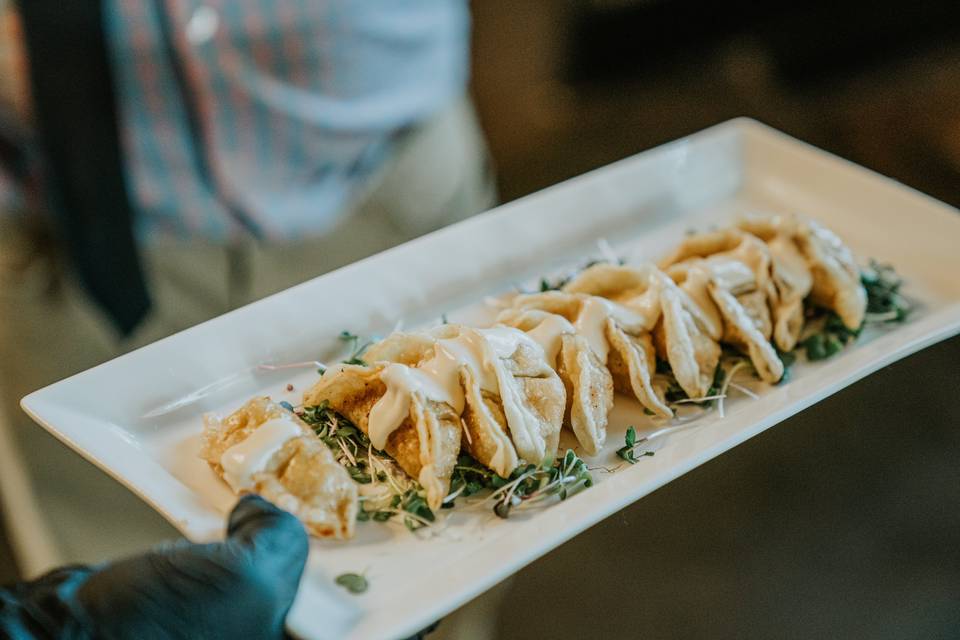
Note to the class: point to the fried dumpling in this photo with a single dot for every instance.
(691, 290)
(407, 348)
(736, 266)
(614, 333)
(684, 333)
(836, 276)
(486, 435)
(678, 338)
(791, 275)
(724, 247)
(588, 384)
(512, 398)
(744, 331)
(425, 438)
(634, 287)
(493, 383)
(262, 448)
(530, 392)
(746, 317)
(633, 363)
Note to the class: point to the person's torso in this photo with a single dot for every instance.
(270, 115)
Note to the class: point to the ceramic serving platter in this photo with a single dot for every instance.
(139, 417)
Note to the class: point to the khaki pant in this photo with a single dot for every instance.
(58, 507)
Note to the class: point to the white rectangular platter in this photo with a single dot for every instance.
(641, 206)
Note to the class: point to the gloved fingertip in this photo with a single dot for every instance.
(255, 521)
(252, 503)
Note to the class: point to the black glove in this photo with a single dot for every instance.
(239, 588)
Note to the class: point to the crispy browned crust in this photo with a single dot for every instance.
(303, 477)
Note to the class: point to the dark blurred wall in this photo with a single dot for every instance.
(564, 87)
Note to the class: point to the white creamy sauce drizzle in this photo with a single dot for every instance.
(469, 349)
(390, 410)
(244, 459)
(525, 426)
(438, 378)
(592, 325)
(548, 335)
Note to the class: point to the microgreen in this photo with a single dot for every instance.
(417, 513)
(531, 483)
(628, 451)
(830, 339)
(357, 348)
(556, 285)
(884, 301)
(675, 392)
(355, 583)
(884, 305)
(353, 450)
(469, 477)
(788, 358)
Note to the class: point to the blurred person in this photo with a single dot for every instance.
(164, 162)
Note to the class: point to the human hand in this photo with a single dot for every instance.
(242, 587)
(239, 588)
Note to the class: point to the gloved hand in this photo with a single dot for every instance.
(239, 588)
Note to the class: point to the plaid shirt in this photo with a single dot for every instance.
(267, 116)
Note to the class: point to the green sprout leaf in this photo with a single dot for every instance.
(628, 451)
(884, 305)
(530, 483)
(355, 583)
(357, 348)
(882, 284)
(788, 358)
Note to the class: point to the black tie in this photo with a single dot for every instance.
(76, 122)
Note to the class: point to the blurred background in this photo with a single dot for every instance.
(564, 87)
(845, 520)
